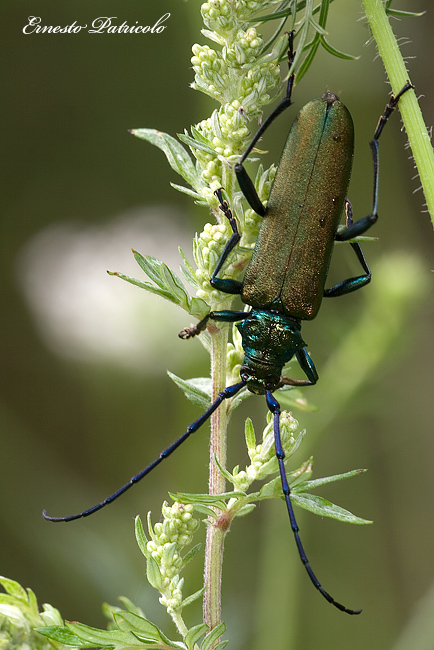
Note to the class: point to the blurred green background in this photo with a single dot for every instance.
(85, 401)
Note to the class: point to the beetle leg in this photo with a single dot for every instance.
(225, 316)
(244, 181)
(235, 238)
(274, 407)
(351, 284)
(362, 225)
(225, 285)
(308, 367)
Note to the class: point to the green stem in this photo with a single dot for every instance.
(215, 534)
(179, 622)
(393, 61)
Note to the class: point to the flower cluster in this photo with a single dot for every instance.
(263, 456)
(163, 552)
(20, 618)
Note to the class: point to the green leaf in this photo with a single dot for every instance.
(320, 506)
(193, 635)
(314, 483)
(197, 390)
(404, 14)
(194, 144)
(141, 538)
(143, 285)
(189, 270)
(215, 500)
(93, 637)
(221, 645)
(175, 286)
(13, 588)
(128, 622)
(164, 278)
(153, 573)
(129, 606)
(270, 490)
(176, 155)
(171, 644)
(189, 192)
(245, 510)
(213, 636)
(332, 50)
(144, 630)
(63, 635)
(228, 476)
(150, 266)
(193, 597)
(191, 554)
(249, 434)
(199, 308)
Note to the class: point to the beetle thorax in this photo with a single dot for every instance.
(270, 340)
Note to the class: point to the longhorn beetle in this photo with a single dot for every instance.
(285, 280)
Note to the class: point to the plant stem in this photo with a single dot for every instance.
(393, 61)
(215, 534)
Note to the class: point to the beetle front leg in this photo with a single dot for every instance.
(244, 181)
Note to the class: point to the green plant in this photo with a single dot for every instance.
(242, 72)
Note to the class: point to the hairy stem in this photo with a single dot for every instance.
(215, 535)
(393, 61)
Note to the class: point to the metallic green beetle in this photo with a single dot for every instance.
(285, 280)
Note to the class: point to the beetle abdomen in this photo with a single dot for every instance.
(290, 262)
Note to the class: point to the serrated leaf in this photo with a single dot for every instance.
(143, 285)
(197, 390)
(193, 635)
(212, 636)
(95, 637)
(191, 279)
(187, 264)
(151, 266)
(176, 155)
(175, 286)
(188, 191)
(63, 635)
(193, 597)
(320, 506)
(141, 538)
(194, 144)
(128, 622)
(199, 309)
(314, 483)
